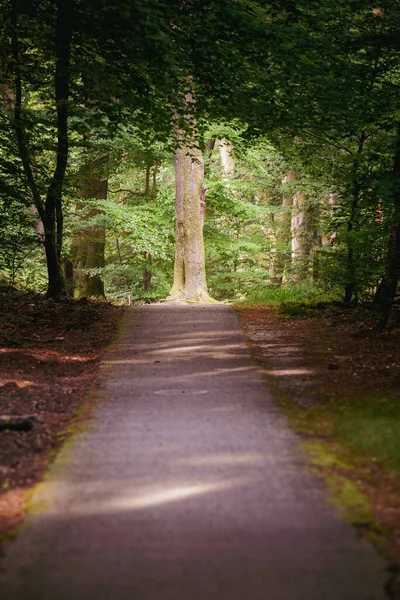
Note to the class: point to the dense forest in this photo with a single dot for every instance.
(191, 152)
(133, 130)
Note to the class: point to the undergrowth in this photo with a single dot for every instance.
(292, 297)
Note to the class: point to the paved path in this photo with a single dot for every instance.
(188, 486)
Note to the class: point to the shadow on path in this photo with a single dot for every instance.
(188, 486)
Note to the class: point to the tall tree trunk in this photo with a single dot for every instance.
(352, 224)
(53, 219)
(299, 230)
(147, 274)
(227, 157)
(208, 150)
(8, 97)
(388, 286)
(280, 253)
(189, 270)
(49, 211)
(150, 193)
(300, 241)
(350, 286)
(89, 244)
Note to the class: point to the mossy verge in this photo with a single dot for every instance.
(343, 466)
(334, 463)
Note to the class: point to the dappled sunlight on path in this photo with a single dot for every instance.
(187, 485)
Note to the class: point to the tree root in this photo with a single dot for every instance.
(182, 297)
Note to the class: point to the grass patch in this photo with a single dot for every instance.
(290, 296)
(366, 427)
(370, 427)
(347, 441)
(337, 473)
(328, 455)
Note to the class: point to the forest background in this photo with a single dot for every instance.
(286, 116)
(294, 109)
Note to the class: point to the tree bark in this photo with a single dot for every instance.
(280, 257)
(8, 97)
(89, 244)
(350, 286)
(208, 150)
(189, 269)
(352, 224)
(388, 286)
(150, 193)
(49, 211)
(227, 158)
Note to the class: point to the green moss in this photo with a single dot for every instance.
(331, 461)
(35, 503)
(336, 472)
(320, 455)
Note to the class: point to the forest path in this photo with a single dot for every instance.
(189, 485)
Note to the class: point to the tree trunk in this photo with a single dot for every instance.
(227, 158)
(49, 211)
(90, 242)
(350, 286)
(147, 274)
(388, 286)
(280, 252)
(352, 225)
(53, 219)
(299, 230)
(300, 235)
(8, 97)
(208, 150)
(150, 194)
(189, 270)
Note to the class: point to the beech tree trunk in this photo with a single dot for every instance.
(189, 270)
(150, 193)
(227, 158)
(300, 242)
(352, 226)
(388, 286)
(293, 230)
(88, 247)
(280, 253)
(350, 286)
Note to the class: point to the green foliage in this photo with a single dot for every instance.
(21, 259)
(288, 296)
(139, 229)
(311, 90)
(235, 243)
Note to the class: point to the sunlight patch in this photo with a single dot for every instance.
(174, 392)
(285, 372)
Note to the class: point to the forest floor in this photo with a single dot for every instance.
(339, 382)
(49, 357)
(337, 378)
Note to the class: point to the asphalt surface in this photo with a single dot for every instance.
(188, 485)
